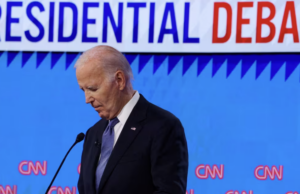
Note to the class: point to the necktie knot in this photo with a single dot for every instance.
(113, 122)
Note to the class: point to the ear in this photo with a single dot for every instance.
(120, 79)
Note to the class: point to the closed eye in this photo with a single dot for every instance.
(92, 89)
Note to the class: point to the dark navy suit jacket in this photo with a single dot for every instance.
(152, 159)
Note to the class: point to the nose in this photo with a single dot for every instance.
(88, 98)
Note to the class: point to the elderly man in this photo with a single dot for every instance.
(137, 147)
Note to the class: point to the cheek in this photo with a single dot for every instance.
(102, 97)
(106, 95)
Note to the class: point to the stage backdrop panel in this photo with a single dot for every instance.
(189, 26)
(240, 114)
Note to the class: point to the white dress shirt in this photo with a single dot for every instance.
(123, 116)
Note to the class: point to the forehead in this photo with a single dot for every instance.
(89, 73)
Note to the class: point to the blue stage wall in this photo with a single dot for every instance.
(240, 114)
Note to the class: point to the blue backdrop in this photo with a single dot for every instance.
(240, 113)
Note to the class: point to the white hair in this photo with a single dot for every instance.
(109, 59)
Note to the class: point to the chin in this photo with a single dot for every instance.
(102, 116)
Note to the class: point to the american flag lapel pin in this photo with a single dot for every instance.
(133, 128)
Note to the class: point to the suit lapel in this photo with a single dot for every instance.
(126, 137)
(96, 150)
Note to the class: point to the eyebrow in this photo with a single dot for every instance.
(92, 87)
(88, 87)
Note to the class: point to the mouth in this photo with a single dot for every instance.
(97, 108)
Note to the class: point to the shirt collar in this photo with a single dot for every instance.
(127, 109)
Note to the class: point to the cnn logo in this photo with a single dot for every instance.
(79, 168)
(191, 192)
(267, 172)
(236, 192)
(213, 171)
(28, 167)
(60, 190)
(8, 189)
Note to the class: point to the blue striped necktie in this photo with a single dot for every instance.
(106, 149)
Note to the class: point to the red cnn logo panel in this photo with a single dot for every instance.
(236, 192)
(78, 168)
(31, 167)
(191, 192)
(272, 173)
(8, 189)
(213, 172)
(60, 190)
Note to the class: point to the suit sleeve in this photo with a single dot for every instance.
(169, 159)
(80, 180)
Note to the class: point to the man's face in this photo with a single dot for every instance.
(100, 91)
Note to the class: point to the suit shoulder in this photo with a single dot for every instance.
(163, 123)
(159, 113)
